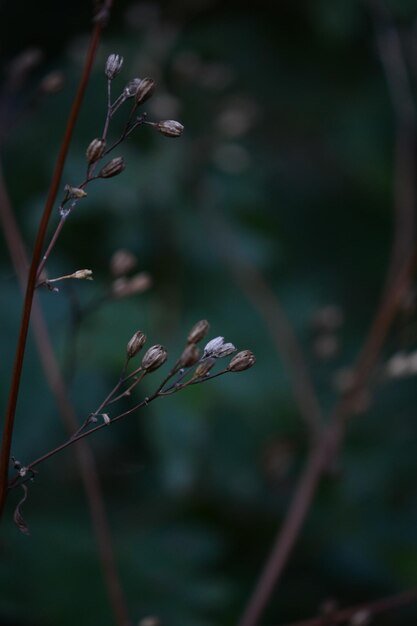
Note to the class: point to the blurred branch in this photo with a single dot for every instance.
(402, 260)
(365, 611)
(269, 308)
(84, 455)
(100, 21)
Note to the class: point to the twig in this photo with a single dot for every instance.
(37, 252)
(266, 302)
(398, 274)
(370, 609)
(84, 454)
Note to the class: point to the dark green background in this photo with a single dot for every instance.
(197, 484)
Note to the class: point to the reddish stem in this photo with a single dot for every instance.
(37, 253)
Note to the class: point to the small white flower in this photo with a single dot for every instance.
(218, 348)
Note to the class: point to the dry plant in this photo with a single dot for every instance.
(192, 367)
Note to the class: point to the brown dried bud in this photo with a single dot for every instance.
(52, 83)
(198, 331)
(113, 65)
(122, 261)
(75, 192)
(154, 358)
(169, 128)
(203, 368)
(83, 275)
(95, 150)
(123, 287)
(132, 87)
(135, 344)
(145, 90)
(242, 361)
(190, 356)
(112, 168)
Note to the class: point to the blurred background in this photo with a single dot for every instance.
(273, 214)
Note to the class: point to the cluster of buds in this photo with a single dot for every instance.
(216, 349)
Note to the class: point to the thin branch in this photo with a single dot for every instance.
(83, 452)
(370, 609)
(269, 308)
(402, 260)
(37, 252)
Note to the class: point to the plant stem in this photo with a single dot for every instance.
(36, 256)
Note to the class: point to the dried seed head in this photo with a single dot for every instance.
(132, 87)
(83, 275)
(95, 150)
(122, 262)
(112, 168)
(135, 344)
(154, 358)
(218, 348)
(75, 192)
(204, 367)
(170, 128)
(190, 356)
(113, 65)
(198, 331)
(144, 90)
(242, 361)
(123, 287)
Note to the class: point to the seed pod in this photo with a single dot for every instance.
(242, 361)
(113, 65)
(132, 87)
(154, 358)
(75, 192)
(218, 348)
(190, 356)
(170, 128)
(135, 344)
(203, 368)
(83, 275)
(112, 168)
(144, 90)
(198, 331)
(95, 150)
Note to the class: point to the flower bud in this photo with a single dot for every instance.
(169, 128)
(198, 331)
(83, 275)
(75, 192)
(113, 65)
(203, 368)
(135, 344)
(112, 168)
(190, 356)
(154, 358)
(122, 261)
(132, 87)
(144, 90)
(124, 287)
(242, 361)
(218, 348)
(95, 150)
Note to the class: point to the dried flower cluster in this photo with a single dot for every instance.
(137, 91)
(194, 366)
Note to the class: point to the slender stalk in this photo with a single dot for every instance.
(36, 256)
(369, 609)
(400, 266)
